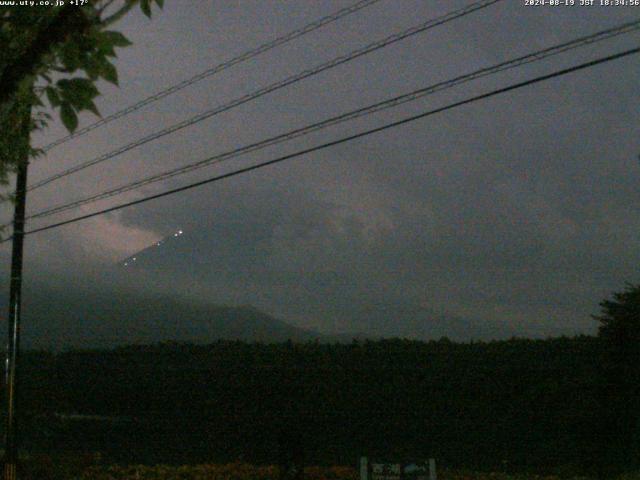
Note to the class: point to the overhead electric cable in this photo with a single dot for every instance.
(342, 140)
(386, 104)
(315, 25)
(274, 86)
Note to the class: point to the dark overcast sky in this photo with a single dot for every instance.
(511, 216)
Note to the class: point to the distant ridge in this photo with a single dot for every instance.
(57, 319)
(142, 320)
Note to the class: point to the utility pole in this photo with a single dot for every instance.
(13, 338)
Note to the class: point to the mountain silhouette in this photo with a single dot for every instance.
(58, 319)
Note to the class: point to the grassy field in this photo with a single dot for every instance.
(81, 468)
(240, 471)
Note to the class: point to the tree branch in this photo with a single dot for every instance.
(120, 13)
(69, 20)
(106, 5)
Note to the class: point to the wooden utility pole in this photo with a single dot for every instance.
(15, 288)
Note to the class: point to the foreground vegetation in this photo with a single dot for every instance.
(241, 471)
(567, 406)
(532, 405)
(249, 472)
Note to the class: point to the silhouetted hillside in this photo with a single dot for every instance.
(58, 319)
(531, 403)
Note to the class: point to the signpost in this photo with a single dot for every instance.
(397, 471)
(386, 471)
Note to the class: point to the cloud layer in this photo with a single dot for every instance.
(511, 216)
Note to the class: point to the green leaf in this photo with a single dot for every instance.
(116, 39)
(103, 44)
(92, 108)
(160, 3)
(93, 67)
(71, 56)
(37, 102)
(79, 84)
(82, 88)
(145, 6)
(69, 117)
(78, 93)
(109, 73)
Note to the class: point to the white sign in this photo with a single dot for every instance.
(396, 471)
(385, 471)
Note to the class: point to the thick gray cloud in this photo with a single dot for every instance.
(515, 215)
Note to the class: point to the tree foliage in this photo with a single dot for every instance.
(57, 53)
(619, 335)
(517, 404)
(620, 320)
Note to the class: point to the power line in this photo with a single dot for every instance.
(275, 86)
(386, 104)
(342, 140)
(315, 25)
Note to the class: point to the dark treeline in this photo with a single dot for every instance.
(520, 404)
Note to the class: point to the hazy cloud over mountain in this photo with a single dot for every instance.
(511, 216)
